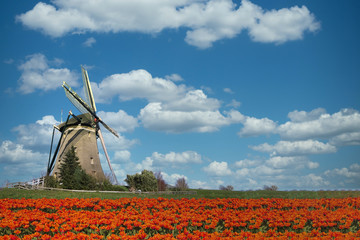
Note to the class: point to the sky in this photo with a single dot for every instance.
(220, 92)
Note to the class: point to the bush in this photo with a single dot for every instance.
(271, 188)
(50, 182)
(227, 188)
(145, 181)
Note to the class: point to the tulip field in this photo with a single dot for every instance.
(161, 218)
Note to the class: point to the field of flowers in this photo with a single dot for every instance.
(135, 218)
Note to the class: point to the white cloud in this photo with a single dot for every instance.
(320, 124)
(283, 25)
(302, 116)
(196, 184)
(206, 21)
(247, 163)
(154, 117)
(234, 104)
(287, 148)
(254, 127)
(228, 90)
(37, 75)
(114, 143)
(174, 77)
(119, 121)
(352, 172)
(176, 158)
(36, 134)
(291, 162)
(194, 100)
(172, 159)
(218, 169)
(12, 153)
(352, 138)
(89, 42)
(171, 179)
(312, 181)
(137, 84)
(122, 156)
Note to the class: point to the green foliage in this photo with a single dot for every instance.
(72, 176)
(227, 188)
(146, 181)
(271, 188)
(50, 182)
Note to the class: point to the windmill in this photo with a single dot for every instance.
(82, 132)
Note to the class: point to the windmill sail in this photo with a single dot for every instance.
(87, 88)
(83, 107)
(75, 99)
(107, 156)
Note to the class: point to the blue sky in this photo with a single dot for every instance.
(242, 93)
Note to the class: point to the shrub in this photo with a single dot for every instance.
(271, 188)
(50, 182)
(145, 181)
(227, 188)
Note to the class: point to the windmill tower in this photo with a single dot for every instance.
(81, 132)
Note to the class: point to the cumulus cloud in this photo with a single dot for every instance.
(254, 127)
(206, 21)
(137, 84)
(38, 75)
(351, 172)
(234, 104)
(247, 163)
(89, 42)
(122, 156)
(172, 107)
(218, 169)
(319, 124)
(291, 162)
(155, 117)
(172, 178)
(114, 143)
(120, 121)
(36, 134)
(171, 159)
(312, 181)
(287, 148)
(13, 153)
(174, 77)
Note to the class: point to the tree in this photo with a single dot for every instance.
(227, 188)
(161, 184)
(272, 188)
(181, 184)
(146, 181)
(72, 176)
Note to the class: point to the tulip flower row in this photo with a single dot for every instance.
(135, 218)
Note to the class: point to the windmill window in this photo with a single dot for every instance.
(94, 173)
(92, 160)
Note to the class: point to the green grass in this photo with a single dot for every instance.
(17, 193)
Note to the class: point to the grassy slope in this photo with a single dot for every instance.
(16, 193)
